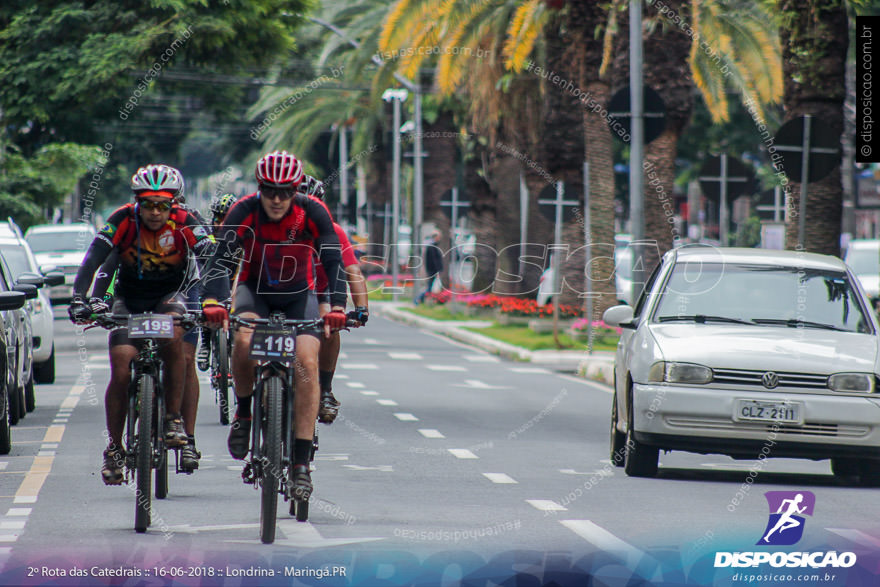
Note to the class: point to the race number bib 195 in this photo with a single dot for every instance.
(273, 343)
(150, 326)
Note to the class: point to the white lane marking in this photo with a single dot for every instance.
(430, 433)
(477, 384)
(341, 376)
(372, 341)
(530, 370)
(386, 402)
(25, 499)
(405, 417)
(481, 359)
(546, 505)
(605, 540)
(12, 525)
(19, 511)
(233, 468)
(49, 445)
(499, 478)
(359, 366)
(354, 384)
(462, 453)
(343, 355)
(581, 380)
(46, 453)
(3, 465)
(98, 366)
(405, 356)
(369, 393)
(8, 537)
(857, 536)
(446, 367)
(383, 468)
(331, 457)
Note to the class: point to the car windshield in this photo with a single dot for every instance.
(763, 295)
(16, 258)
(864, 261)
(74, 240)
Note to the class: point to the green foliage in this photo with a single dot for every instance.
(748, 233)
(24, 212)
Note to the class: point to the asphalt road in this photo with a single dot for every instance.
(445, 463)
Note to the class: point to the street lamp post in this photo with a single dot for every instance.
(396, 97)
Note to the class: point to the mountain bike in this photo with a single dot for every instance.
(221, 376)
(270, 467)
(144, 439)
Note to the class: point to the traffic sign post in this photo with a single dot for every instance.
(819, 153)
(733, 179)
(453, 204)
(558, 204)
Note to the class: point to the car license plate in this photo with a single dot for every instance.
(150, 326)
(273, 343)
(763, 411)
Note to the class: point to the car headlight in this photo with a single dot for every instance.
(861, 382)
(669, 372)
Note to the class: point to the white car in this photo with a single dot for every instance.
(747, 352)
(62, 247)
(22, 262)
(863, 257)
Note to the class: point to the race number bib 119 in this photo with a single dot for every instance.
(150, 326)
(273, 343)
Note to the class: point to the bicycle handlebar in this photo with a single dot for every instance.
(311, 323)
(109, 320)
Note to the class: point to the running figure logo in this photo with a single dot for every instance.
(786, 524)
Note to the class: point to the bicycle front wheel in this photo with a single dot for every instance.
(146, 386)
(272, 473)
(221, 375)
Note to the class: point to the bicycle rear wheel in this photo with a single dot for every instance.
(272, 474)
(221, 375)
(144, 454)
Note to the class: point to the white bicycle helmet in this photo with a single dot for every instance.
(157, 178)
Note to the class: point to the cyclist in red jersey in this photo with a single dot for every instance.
(279, 231)
(153, 238)
(330, 347)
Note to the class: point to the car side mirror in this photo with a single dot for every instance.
(29, 291)
(11, 300)
(621, 316)
(53, 278)
(31, 279)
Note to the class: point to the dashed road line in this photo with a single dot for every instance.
(19, 512)
(546, 505)
(481, 359)
(359, 366)
(386, 402)
(405, 417)
(369, 393)
(405, 356)
(446, 367)
(499, 478)
(541, 370)
(430, 433)
(354, 384)
(605, 541)
(462, 453)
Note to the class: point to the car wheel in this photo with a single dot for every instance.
(869, 472)
(45, 372)
(30, 399)
(640, 460)
(15, 406)
(5, 430)
(844, 468)
(618, 438)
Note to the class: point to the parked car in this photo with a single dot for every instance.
(20, 333)
(745, 352)
(62, 247)
(22, 263)
(10, 301)
(863, 257)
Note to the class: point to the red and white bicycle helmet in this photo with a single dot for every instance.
(157, 178)
(279, 169)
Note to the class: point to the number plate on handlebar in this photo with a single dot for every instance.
(150, 326)
(273, 343)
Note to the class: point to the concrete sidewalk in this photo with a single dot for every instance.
(598, 366)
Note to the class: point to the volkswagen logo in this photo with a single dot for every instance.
(770, 379)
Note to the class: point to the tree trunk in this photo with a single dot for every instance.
(814, 52)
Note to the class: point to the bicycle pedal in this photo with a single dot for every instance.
(247, 474)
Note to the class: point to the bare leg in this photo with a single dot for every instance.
(190, 404)
(242, 365)
(307, 386)
(116, 397)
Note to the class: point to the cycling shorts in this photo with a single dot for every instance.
(301, 305)
(164, 305)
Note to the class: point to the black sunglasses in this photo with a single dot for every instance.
(282, 194)
(151, 205)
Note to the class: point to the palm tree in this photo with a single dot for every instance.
(815, 38)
